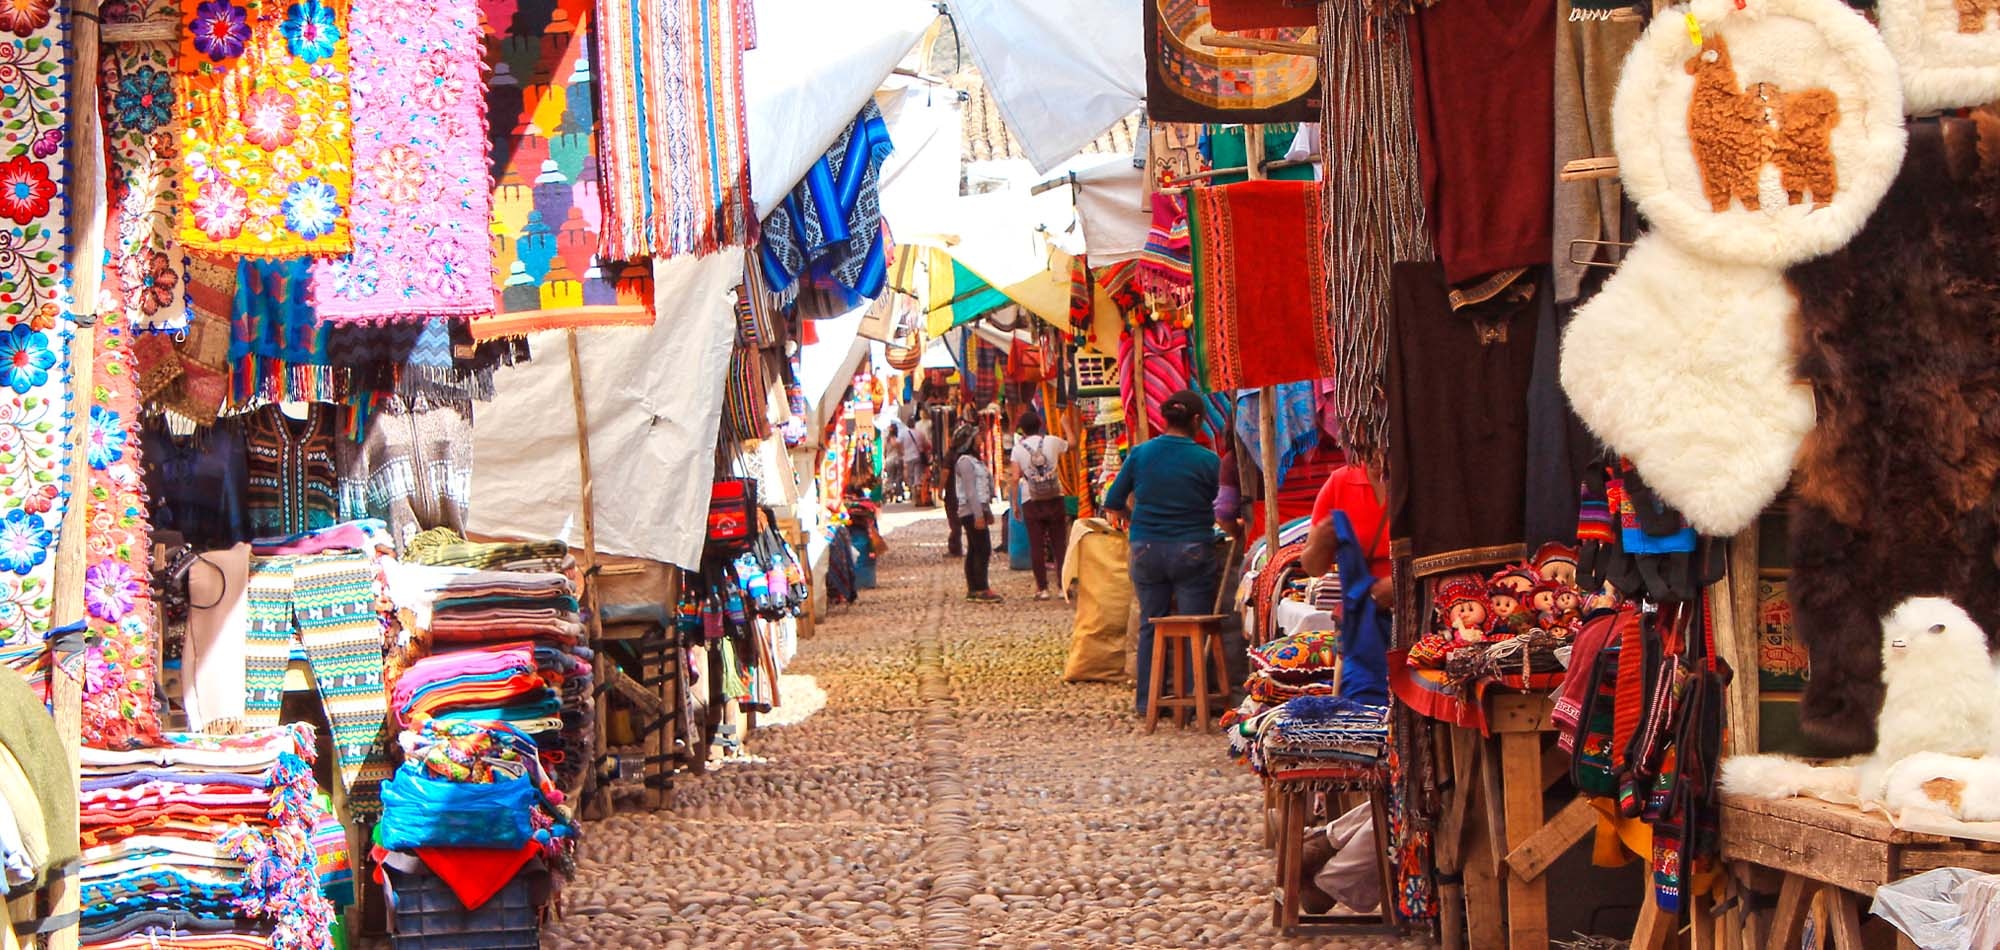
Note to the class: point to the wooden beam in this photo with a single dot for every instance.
(1654, 925)
(1521, 776)
(1737, 641)
(1260, 46)
(1794, 903)
(1532, 857)
(1589, 169)
(630, 691)
(154, 31)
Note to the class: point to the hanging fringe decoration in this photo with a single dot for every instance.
(1374, 203)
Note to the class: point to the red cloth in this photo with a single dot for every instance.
(1260, 284)
(1485, 115)
(476, 874)
(1347, 489)
(1260, 14)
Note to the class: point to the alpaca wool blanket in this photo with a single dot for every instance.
(1896, 484)
(422, 213)
(675, 163)
(267, 155)
(1260, 284)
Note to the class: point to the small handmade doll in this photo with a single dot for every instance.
(1544, 603)
(1464, 618)
(1520, 578)
(1556, 562)
(1569, 611)
(1511, 618)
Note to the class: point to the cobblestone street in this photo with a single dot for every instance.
(953, 792)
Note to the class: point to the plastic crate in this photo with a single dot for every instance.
(426, 915)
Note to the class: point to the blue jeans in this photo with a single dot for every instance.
(1171, 578)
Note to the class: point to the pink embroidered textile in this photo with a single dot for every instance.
(423, 206)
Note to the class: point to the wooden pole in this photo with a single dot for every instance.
(603, 802)
(1255, 45)
(1267, 398)
(1140, 428)
(86, 216)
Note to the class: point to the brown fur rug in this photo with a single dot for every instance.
(1900, 339)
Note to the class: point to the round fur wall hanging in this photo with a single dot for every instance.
(1763, 135)
(1948, 51)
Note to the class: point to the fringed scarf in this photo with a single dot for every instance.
(676, 167)
(277, 347)
(118, 687)
(1374, 205)
(1166, 265)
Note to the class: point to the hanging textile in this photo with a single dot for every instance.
(1187, 81)
(412, 469)
(143, 271)
(328, 603)
(117, 596)
(1166, 265)
(541, 106)
(829, 229)
(1227, 146)
(745, 415)
(1260, 284)
(1374, 205)
(1261, 14)
(1166, 373)
(292, 485)
(266, 168)
(1297, 419)
(277, 349)
(35, 432)
(423, 207)
(676, 166)
(34, 106)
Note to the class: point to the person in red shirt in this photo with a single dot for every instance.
(1350, 489)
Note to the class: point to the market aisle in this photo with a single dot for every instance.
(954, 792)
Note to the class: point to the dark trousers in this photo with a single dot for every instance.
(1171, 578)
(978, 553)
(1046, 521)
(953, 547)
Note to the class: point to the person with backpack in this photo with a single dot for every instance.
(1033, 480)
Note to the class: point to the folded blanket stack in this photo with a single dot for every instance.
(205, 841)
(1325, 739)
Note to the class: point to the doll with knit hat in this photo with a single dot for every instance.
(1464, 618)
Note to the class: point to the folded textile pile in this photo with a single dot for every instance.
(205, 841)
(1326, 739)
(477, 685)
(473, 803)
(442, 547)
(487, 606)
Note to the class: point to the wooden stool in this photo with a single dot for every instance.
(1178, 641)
(1295, 800)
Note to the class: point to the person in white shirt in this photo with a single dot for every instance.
(1034, 481)
(972, 482)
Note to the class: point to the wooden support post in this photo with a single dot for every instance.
(1267, 438)
(1485, 926)
(596, 789)
(1736, 636)
(1531, 859)
(1794, 904)
(1654, 926)
(1521, 779)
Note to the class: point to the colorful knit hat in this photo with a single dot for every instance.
(1553, 553)
(1458, 589)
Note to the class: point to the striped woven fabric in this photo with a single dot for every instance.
(675, 165)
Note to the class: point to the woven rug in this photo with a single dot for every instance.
(34, 175)
(675, 164)
(144, 277)
(422, 213)
(329, 602)
(266, 170)
(548, 215)
(1260, 285)
(117, 594)
(829, 229)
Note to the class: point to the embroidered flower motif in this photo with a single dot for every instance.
(438, 82)
(110, 590)
(398, 174)
(24, 17)
(447, 274)
(24, 541)
(47, 143)
(220, 30)
(107, 438)
(158, 283)
(270, 118)
(312, 208)
(145, 99)
(25, 189)
(310, 31)
(25, 358)
(219, 208)
(42, 501)
(354, 275)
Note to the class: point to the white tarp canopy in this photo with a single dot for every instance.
(1061, 71)
(654, 397)
(815, 64)
(1111, 205)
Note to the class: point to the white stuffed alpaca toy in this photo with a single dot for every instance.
(1940, 696)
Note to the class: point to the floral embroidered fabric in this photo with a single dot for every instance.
(267, 163)
(143, 276)
(118, 681)
(422, 214)
(34, 443)
(34, 112)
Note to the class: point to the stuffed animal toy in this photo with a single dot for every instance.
(1939, 696)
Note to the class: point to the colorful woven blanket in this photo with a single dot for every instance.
(829, 229)
(268, 160)
(422, 214)
(548, 214)
(34, 202)
(1260, 285)
(676, 167)
(143, 273)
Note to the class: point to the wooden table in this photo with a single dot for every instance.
(1495, 837)
(1837, 853)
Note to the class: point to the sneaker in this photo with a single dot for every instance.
(1041, 595)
